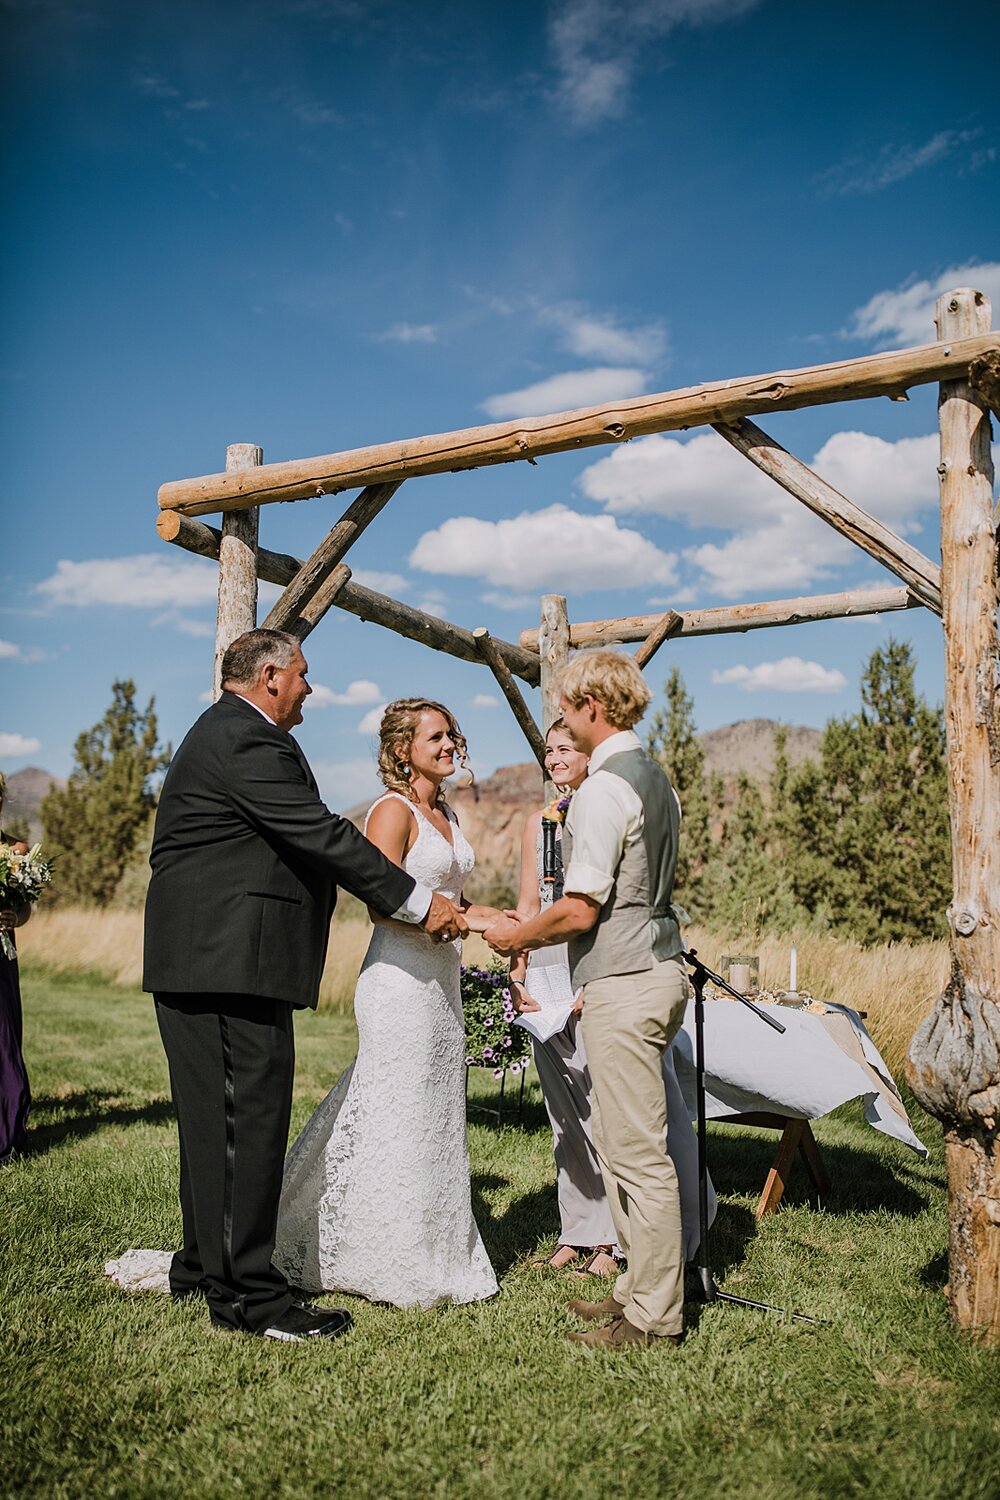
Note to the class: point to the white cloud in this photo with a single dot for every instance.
(202, 629)
(702, 481)
(786, 558)
(905, 314)
(895, 162)
(371, 721)
(343, 784)
(542, 549)
(598, 45)
(570, 389)
(361, 691)
(410, 333)
(147, 580)
(894, 481)
(485, 700)
(600, 336)
(18, 744)
(8, 649)
(789, 675)
(776, 543)
(382, 583)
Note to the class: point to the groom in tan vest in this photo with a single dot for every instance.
(624, 950)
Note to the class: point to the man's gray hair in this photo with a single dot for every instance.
(251, 652)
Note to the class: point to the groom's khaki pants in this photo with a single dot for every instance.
(628, 1020)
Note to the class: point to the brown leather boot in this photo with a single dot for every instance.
(620, 1333)
(593, 1312)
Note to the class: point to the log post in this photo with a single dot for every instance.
(553, 650)
(486, 646)
(954, 1060)
(237, 609)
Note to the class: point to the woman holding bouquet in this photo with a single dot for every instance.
(15, 1094)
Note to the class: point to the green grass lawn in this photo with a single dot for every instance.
(109, 1395)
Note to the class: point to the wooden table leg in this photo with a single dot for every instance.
(791, 1138)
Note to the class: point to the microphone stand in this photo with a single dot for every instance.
(709, 1290)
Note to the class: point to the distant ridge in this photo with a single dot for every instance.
(25, 790)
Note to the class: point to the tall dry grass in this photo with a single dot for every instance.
(895, 983)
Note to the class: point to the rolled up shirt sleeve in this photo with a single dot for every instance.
(416, 906)
(606, 814)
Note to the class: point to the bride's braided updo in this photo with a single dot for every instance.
(395, 736)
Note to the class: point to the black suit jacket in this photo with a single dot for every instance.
(246, 861)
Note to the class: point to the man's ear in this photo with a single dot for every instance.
(267, 676)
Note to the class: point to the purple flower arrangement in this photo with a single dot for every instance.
(491, 1038)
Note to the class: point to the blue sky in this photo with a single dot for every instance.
(319, 224)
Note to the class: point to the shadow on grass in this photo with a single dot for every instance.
(859, 1182)
(512, 1235)
(935, 1274)
(86, 1111)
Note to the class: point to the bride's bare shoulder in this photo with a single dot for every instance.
(391, 821)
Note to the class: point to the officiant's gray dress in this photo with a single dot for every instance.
(584, 1214)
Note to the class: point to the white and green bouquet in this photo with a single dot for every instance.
(491, 1038)
(23, 878)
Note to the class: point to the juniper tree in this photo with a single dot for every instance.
(673, 741)
(93, 825)
(870, 820)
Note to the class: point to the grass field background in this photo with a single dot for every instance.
(115, 1395)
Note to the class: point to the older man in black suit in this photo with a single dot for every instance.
(246, 861)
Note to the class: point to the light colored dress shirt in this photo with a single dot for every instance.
(418, 903)
(605, 818)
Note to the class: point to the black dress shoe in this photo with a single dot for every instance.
(302, 1321)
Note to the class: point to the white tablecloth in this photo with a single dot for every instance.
(818, 1063)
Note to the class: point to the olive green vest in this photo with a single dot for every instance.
(636, 927)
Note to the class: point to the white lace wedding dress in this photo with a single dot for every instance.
(376, 1196)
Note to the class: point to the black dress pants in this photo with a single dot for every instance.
(231, 1060)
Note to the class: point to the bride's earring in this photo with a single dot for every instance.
(404, 769)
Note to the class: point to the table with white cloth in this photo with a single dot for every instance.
(755, 1075)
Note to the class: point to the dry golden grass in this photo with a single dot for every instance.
(895, 983)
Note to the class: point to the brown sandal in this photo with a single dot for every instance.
(601, 1262)
(561, 1257)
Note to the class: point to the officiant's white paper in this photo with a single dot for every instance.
(546, 983)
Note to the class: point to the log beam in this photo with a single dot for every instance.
(486, 647)
(889, 374)
(366, 604)
(668, 625)
(954, 1059)
(735, 618)
(237, 604)
(908, 563)
(317, 569)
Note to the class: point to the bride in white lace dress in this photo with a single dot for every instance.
(376, 1197)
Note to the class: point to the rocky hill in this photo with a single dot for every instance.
(749, 746)
(25, 790)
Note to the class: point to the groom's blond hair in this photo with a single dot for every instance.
(610, 677)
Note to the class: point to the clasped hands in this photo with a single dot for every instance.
(444, 920)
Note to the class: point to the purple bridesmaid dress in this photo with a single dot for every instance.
(15, 1095)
